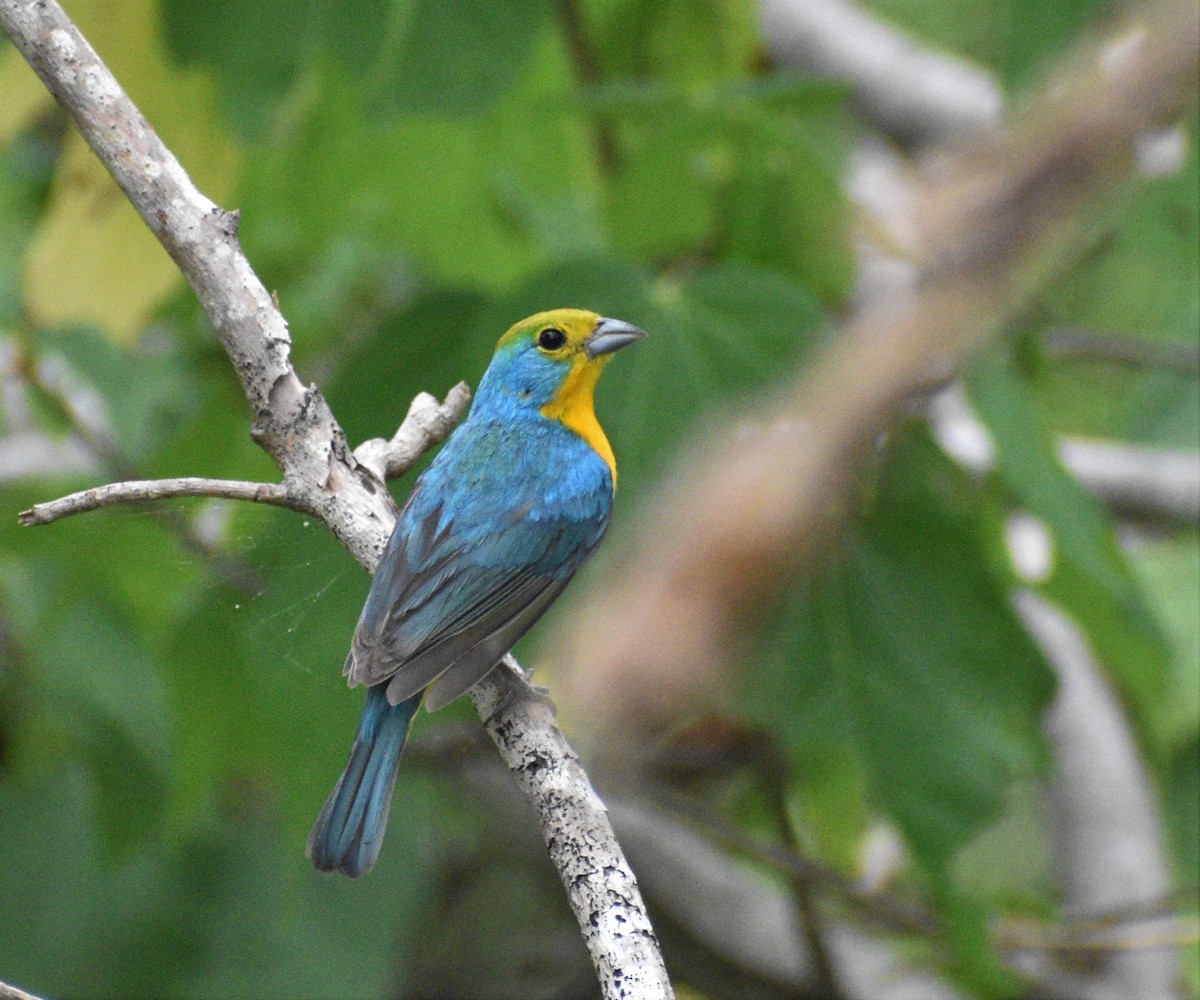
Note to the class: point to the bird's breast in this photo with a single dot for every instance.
(573, 406)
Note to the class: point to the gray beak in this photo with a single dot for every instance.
(610, 335)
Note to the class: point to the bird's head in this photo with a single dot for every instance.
(552, 358)
(548, 365)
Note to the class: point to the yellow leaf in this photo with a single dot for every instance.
(24, 98)
(92, 259)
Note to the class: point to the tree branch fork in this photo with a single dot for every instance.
(322, 477)
(428, 422)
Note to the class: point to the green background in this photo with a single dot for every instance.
(413, 176)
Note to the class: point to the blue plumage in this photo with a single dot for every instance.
(494, 529)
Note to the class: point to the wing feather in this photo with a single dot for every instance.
(453, 593)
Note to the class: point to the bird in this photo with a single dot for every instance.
(515, 502)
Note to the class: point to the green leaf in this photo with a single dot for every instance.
(26, 167)
(1016, 40)
(684, 41)
(784, 208)
(1182, 788)
(103, 682)
(459, 57)
(256, 50)
(915, 659)
(1091, 578)
(1138, 286)
(434, 343)
(947, 687)
(905, 655)
(1169, 574)
(748, 170)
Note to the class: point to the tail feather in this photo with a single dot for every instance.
(347, 835)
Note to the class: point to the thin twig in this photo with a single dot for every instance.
(140, 491)
(882, 909)
(86, 414)
(427, 423)
(294, 424)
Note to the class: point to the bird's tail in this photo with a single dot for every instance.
(347, 835)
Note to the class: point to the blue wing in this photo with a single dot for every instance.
(492, 533)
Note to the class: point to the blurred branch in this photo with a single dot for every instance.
(752, 921)
(1134, 480)
(24, 449)
(12, 993)
(750, 506)
(885, 911)
(911, 91)
(1108, 844)
(1173, 931)
(294, 424)
(1096, 345)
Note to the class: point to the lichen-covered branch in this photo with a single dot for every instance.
(294, 425)
(607, 903)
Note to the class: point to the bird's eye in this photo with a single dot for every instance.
(551, 339)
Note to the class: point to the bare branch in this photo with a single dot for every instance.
(520, 720)
(145, 490)
(292, 422)
(427, 423)
(295, 426)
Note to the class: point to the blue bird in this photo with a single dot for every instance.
(511, 507)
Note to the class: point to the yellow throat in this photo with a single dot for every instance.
(574, 406)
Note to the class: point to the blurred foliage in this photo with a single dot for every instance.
(413, 175)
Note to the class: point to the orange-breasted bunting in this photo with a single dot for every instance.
(513, 504)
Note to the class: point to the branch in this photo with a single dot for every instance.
(751, 921)
(295, 426)
(1108, 846)
(427, 423)
(1137, 352)
(910, 90)
(606, 901)
(12, 993)
(144, 490)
